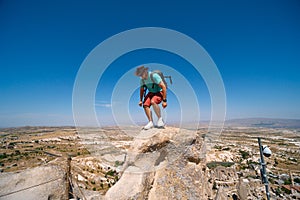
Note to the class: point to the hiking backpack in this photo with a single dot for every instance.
(163, 78)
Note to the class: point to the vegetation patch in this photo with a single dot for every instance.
(214, 164)
(245, 154)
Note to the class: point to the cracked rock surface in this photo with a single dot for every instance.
(162, 164)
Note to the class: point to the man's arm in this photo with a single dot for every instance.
(141, 95)
(164, 91)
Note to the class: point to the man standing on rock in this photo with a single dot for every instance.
(157, 93)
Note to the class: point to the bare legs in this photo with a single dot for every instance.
(156, 109)
(149, 113)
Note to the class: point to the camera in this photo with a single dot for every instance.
(266, 151)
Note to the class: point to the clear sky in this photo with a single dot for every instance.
(254, 44)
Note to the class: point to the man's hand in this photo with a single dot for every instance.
(140, 103)
(164, 104)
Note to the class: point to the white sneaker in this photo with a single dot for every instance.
(160, 122)
(149, 125)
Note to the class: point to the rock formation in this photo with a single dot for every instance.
(163, 164)
(45, 182)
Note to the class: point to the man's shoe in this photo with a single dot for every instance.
(160, 122)
(149, 125)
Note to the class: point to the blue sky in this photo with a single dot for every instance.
(254, 44)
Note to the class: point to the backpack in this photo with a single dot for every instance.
(162, 76)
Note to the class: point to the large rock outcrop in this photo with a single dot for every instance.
(44, 182)
(163, 164)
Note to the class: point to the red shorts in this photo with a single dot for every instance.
(155, 97)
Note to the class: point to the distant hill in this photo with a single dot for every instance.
(264, 122)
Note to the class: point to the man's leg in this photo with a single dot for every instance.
(156, 109)
(147, 104)
(149, 116)
(148, 113)
(155, 101)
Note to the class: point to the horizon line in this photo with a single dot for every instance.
(108, 124)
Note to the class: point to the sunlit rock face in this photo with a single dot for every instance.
(163, 164)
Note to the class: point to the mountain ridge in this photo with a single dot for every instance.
(264, 122)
